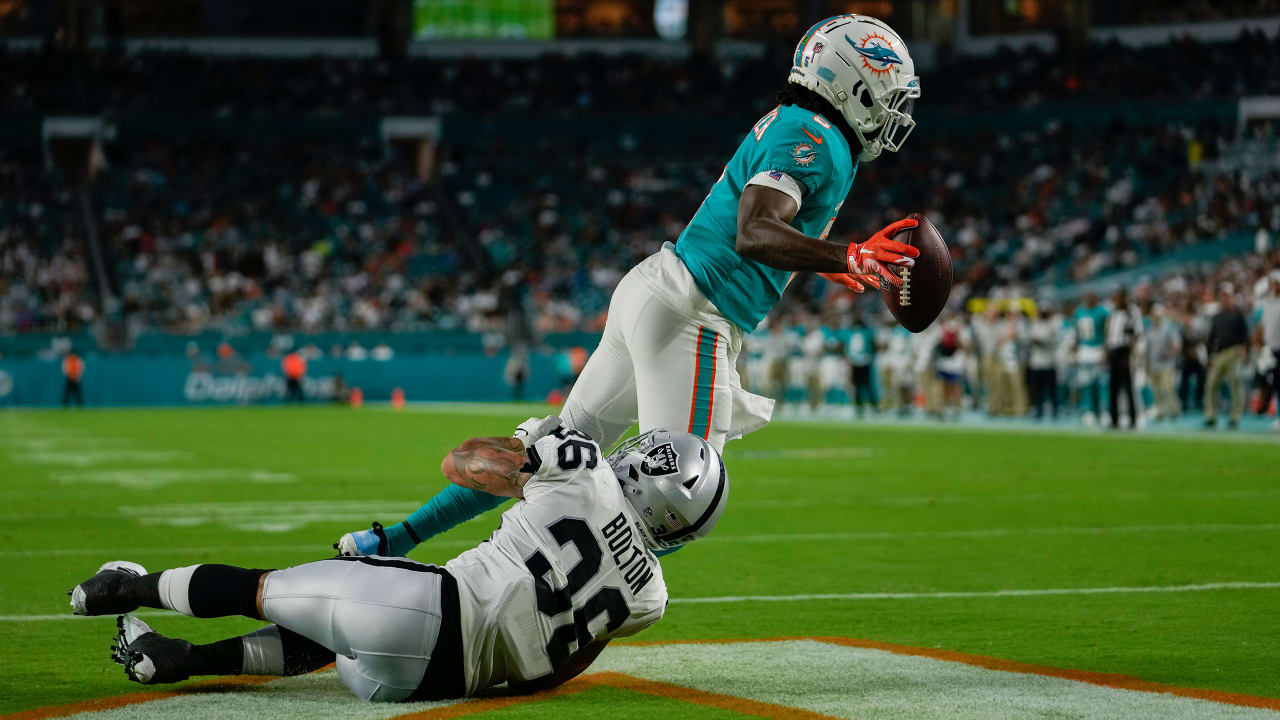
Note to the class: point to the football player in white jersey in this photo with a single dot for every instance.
(570, 567)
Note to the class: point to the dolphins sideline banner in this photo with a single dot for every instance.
(132, 379)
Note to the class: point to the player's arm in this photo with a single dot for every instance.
(496, 465)
(766, 236)
(576, 665)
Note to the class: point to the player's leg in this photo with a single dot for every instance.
(151, 658)
(1211, 387)
(684, 373)
(393, 623)
(206, 590)
(198, 591)
(602, 404)
(1235, 359)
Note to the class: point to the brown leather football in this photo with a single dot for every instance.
(925, 287)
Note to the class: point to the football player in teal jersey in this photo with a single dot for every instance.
(676, 321)
(1090, 325)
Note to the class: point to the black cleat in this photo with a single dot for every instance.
(100, 594)
(147, 656)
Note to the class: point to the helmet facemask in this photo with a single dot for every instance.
(888, 111)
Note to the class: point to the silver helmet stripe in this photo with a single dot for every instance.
(706, 514)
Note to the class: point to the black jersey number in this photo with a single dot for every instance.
(555, 601)
(576, 451)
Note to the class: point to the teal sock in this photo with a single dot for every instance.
(450, 507)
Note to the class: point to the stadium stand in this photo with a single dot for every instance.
(542, 202)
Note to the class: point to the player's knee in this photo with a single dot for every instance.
(257, 600)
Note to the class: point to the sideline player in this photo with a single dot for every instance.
(570, 567)
(676, 321)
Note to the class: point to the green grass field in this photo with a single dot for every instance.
(845, 509)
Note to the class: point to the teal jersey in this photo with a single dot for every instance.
(1091, 325)
(861, 348)
(788, 140)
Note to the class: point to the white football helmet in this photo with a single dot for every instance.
(675, 481)
(861, 66)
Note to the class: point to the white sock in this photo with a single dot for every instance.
(174, 586)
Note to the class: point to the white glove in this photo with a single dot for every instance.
(534, 429)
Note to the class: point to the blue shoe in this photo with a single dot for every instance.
(363, 542)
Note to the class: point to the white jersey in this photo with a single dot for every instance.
(567, 566)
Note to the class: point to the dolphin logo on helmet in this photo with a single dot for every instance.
(877, 53)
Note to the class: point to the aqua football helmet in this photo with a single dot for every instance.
(675, 481)
(862, 67)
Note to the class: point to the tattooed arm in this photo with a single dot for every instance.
(488, 464)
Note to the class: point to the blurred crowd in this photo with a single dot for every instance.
(529, 234)
(116, 83)
(1200, 342)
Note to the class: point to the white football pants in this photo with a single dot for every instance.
(667, 360)
(380, 616)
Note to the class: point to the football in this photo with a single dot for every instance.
(925, 287)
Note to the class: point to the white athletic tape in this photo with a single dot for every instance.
(174, 587)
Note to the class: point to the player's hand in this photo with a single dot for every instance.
(881, 250)
(856, 283)
(534, 429)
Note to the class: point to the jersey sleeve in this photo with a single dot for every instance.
(799, 150)
(557, 458)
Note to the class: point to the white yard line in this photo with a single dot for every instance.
(1036, 592)
(991, 532)
(319, 549)
(945, 595)
(829, 678)
(961, 498)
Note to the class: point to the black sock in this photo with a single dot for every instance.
(219, 658)
(221, 590)
(302, 654)
(282, 652)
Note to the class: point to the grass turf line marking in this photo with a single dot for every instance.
(1008, 497)
(992, 532)
(151, 478)
(1119, 590)
(943, 595)
(86, 458)
(987, 427)
(805, 453)
(223, 684)
(764, 538)
(1132, 694)
(1110, 680)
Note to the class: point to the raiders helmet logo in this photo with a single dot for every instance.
(661, 460)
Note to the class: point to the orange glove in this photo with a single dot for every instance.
(871, 257)
(856, 283)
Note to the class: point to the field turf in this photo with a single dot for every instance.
(921, 532)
